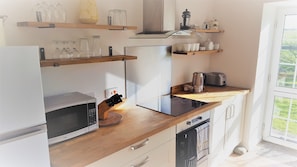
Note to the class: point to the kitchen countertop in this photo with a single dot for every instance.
(137, 124)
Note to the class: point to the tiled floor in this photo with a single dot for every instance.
(265, 155)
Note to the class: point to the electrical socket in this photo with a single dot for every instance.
(110, 92)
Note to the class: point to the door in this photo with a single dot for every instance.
(281, 116)
(27, 150)
(21, 94)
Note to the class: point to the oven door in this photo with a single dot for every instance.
(192, 145)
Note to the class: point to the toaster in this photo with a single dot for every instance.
(215, 79)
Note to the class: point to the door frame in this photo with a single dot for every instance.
(272, 89)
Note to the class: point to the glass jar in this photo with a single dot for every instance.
(88, 12)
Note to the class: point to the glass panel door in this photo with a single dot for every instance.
(281, 119)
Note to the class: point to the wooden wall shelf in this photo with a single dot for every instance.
(60, 62)
(73, 25)
(208, 31)
(206, 52)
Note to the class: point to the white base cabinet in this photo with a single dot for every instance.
(163, 156)
(226, 128)
(157, 150)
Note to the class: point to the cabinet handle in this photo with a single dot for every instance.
(141, 163)
(135, 147)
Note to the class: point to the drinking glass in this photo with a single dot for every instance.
(123, 17)
(75, 52)
(116, 19)
(96, 49)
(84, 47)
(60, 13)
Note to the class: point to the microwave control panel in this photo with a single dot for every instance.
(92, 113)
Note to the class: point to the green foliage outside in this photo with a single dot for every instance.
(281, 115)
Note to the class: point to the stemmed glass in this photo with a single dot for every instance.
(57, 51)
(75, 52)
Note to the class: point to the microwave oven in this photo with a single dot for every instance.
(70, 115)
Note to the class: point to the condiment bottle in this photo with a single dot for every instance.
(88, 12)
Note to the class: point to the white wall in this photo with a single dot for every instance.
(95, 78)
(246, 57)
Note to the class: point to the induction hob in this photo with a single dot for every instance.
(172, 105)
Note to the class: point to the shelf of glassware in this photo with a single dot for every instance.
(204, 52)
(71, 61)
(73, 25)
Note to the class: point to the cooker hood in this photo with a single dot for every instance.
(158, 19)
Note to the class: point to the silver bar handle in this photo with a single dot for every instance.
(141, 163)
(135, 147)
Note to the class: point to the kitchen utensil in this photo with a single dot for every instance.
(198, 81)
(186, 20)
(106, 113)
(117, 17)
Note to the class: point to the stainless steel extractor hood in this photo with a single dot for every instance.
(158, 19)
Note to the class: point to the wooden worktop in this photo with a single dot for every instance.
(137, 124)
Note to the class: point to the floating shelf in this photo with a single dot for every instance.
(208, 31)
(60, 62)
(73, 25)
(206, 52)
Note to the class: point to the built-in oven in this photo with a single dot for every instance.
(192, 141)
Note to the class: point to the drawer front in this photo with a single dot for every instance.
(163, 156)
(129, 153)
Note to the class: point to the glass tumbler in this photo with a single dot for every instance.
(84, 47)
(96, 49)
(123, 18)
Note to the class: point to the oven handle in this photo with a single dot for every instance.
(135, 147)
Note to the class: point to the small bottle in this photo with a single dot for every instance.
(110, 50)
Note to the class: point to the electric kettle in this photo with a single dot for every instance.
(198, 82)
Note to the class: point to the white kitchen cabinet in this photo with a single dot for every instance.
(159, 145)
(163, 156)
(226, 128)
(234, 118)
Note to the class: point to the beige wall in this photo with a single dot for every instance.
(95, 78)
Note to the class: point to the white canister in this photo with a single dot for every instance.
(197, 46)
(210, 46)
(2, 33)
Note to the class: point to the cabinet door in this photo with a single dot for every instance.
(217, 135)
(233, 129)
(163, 156)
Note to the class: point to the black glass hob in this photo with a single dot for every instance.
(172, 105)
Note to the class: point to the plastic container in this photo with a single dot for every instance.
(88, 12)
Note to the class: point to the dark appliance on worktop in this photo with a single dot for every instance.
(69, 115)
(215, 79)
